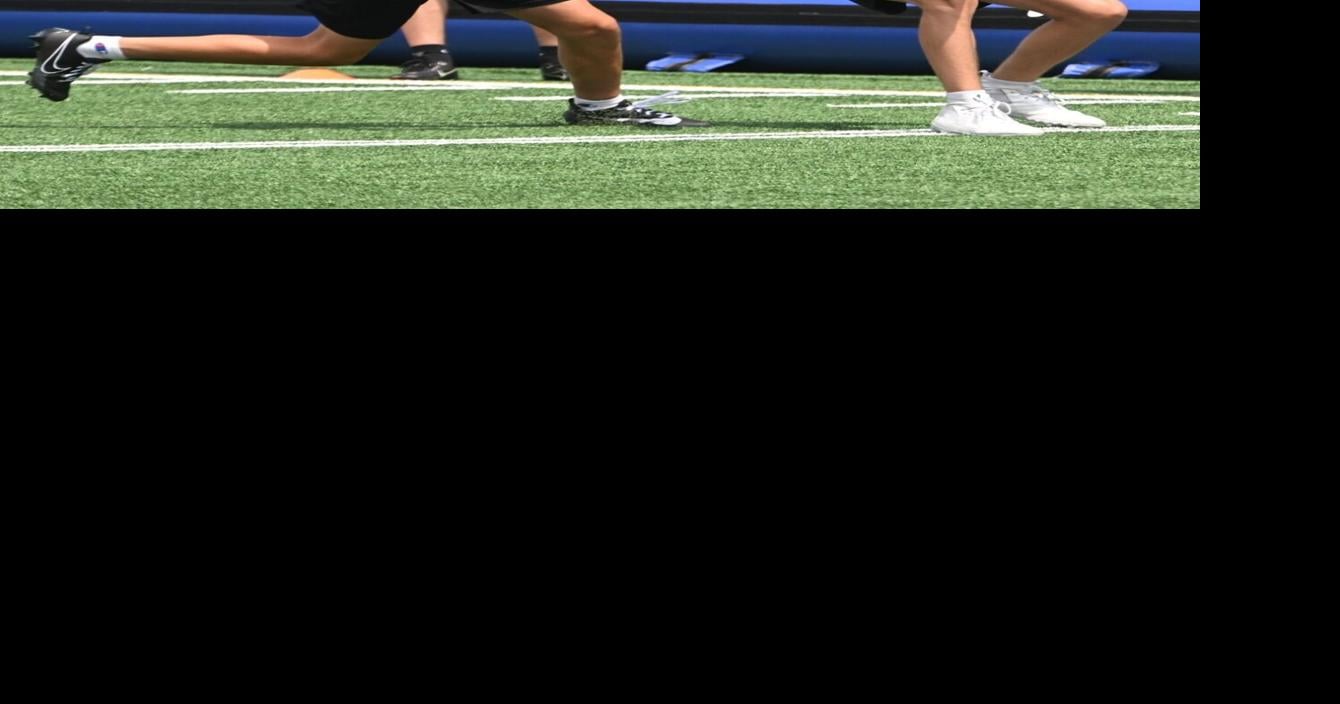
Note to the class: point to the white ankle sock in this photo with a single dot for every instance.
(101, 47)
(964, 96)
(1007, 84)
(585, 104)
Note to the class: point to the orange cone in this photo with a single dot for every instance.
(318, 74)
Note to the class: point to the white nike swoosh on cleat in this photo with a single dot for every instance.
(52, 59)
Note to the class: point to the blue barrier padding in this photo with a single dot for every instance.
(768, 48)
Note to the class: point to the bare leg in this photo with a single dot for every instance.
(588, 45)
(947, 39)
(428, 25)
(320, 48)
(544, 38)
(1073, 26)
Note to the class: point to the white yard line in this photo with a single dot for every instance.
(362, 84)
(853, 106)
(691, 91)
(594, 139)
(694, 96)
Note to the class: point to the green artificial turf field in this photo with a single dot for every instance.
(163, 135)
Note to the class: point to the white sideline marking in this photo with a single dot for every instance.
(206, 78)
(356, 84)
(941, 104)
(1190, 114)
(565, 87)
(358, 89)
(886, 105)
(607, 139)
(694, 96)
(815, 93)
(95, 81)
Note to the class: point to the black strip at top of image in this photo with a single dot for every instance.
(996, 17)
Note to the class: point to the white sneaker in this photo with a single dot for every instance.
(1037, 104)
(980, 116)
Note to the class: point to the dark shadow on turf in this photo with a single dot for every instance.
(883, 125)
(456, 126)
(460, 127)
(272, 126)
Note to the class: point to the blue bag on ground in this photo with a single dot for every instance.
(1110, 69)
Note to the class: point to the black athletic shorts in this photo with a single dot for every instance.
(379, 19)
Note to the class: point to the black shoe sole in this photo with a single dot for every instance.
(42, 92)
(645, 125)
(37, 40)
(449, 77)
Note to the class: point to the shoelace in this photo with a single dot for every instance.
(985, 102)
(422, 61)
(1040, 94)
(671, 98)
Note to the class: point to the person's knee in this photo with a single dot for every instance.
(947, 9)
(1109, 13)
(596, 27)
(340, 54)
(1115, 13)
(325, 49)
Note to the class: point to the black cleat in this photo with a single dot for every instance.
(552, 70)
(627, 113)
(59, 63)
(436, 66)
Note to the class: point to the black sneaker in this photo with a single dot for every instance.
(552, 70)
(628, 113)
(58, 62)
(437, 66)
